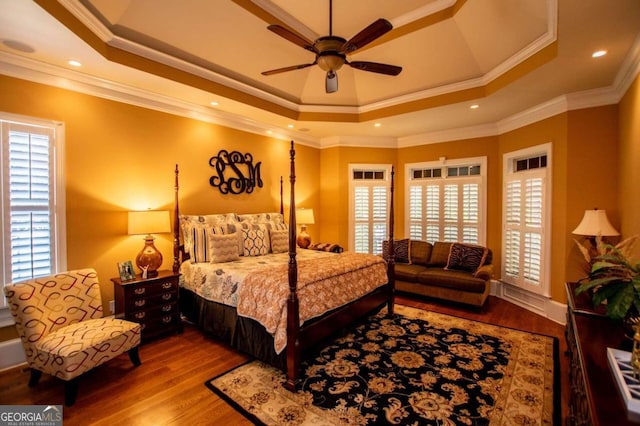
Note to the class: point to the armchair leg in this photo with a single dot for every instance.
(35, 377)
(71, 391)
(134, 356)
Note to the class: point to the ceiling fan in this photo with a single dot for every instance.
(331, 51)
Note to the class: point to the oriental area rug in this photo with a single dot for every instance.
(414, 368)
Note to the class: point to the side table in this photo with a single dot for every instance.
(152, 302)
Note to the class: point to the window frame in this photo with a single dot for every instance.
(444, 164)
(509, 159)
(58, 217)
(370, 183)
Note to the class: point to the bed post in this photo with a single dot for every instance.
(176, 227)
(293, 315)
(281, 199)
(391, 268)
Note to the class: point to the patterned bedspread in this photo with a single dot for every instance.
(259, 286)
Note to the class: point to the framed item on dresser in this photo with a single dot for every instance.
(126, 271)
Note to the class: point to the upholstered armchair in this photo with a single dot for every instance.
(59, 319)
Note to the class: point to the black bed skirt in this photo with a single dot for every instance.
(221, 322)
(246, 335)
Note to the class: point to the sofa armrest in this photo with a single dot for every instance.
(484, 272)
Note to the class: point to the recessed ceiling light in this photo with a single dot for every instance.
(598, 53)
(74, 63)
(290, 126)
(474, 106)
(377, 125)
(214, 103)
(269, 132)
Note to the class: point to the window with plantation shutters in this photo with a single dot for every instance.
(368, 207)
(31, 238)
(526, 219)
(446, 202)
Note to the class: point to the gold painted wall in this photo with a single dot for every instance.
(120, 157)
(629, 164)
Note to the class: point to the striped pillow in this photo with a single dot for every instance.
(197, 241)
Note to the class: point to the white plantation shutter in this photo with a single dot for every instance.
(525, 223)
(29, 204)
(446, 209)
(369, 207)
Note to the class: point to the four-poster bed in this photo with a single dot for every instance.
(358, 284)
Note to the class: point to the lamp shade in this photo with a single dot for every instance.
(304, 216)
(594, 223)
(149, 222)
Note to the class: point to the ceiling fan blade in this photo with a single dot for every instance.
(375, 67)
(331, 82)
(366, 36)
(293, 37)
(285, 69)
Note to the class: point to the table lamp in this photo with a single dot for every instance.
(304, 217)
(595, 223)
(149, 222)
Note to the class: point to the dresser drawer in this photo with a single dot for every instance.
(153, 303)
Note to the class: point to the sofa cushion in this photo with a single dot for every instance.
(420, 252)
(439, 254)
(459, 280)
(408, 272)
(466, 257)
(401, 248)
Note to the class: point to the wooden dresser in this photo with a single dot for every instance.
(152, 302)
(594, 398)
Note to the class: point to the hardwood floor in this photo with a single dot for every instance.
(168, 388)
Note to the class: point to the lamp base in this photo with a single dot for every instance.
(149, 259)
(303, 240)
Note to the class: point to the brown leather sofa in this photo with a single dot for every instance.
(435, 270)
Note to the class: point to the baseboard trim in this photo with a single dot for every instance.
(535, 303)
(11, 354)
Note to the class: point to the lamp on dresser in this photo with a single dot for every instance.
(146, 223)
(304, 217)
(595, 223)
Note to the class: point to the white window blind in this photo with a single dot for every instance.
(369, 207)
(446, 203)
(29, 219)
(526, 221)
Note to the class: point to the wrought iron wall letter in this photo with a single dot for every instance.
(235, 172)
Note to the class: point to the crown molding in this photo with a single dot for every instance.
(51, 75)
(28, 69)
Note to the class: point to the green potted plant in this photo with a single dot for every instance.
(614, 279)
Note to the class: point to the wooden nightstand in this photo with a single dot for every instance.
(152, 302)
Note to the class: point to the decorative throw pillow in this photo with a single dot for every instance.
(466, 257)
(197, 242)
(255, 243)
(401, 249)
(223, 247)
(246, 226)
(279, 240)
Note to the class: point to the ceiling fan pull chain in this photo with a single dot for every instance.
(330, 18)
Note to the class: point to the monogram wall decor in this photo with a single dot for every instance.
(236, 172)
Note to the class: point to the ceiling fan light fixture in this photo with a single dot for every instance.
(331, 82)
(330, 61)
